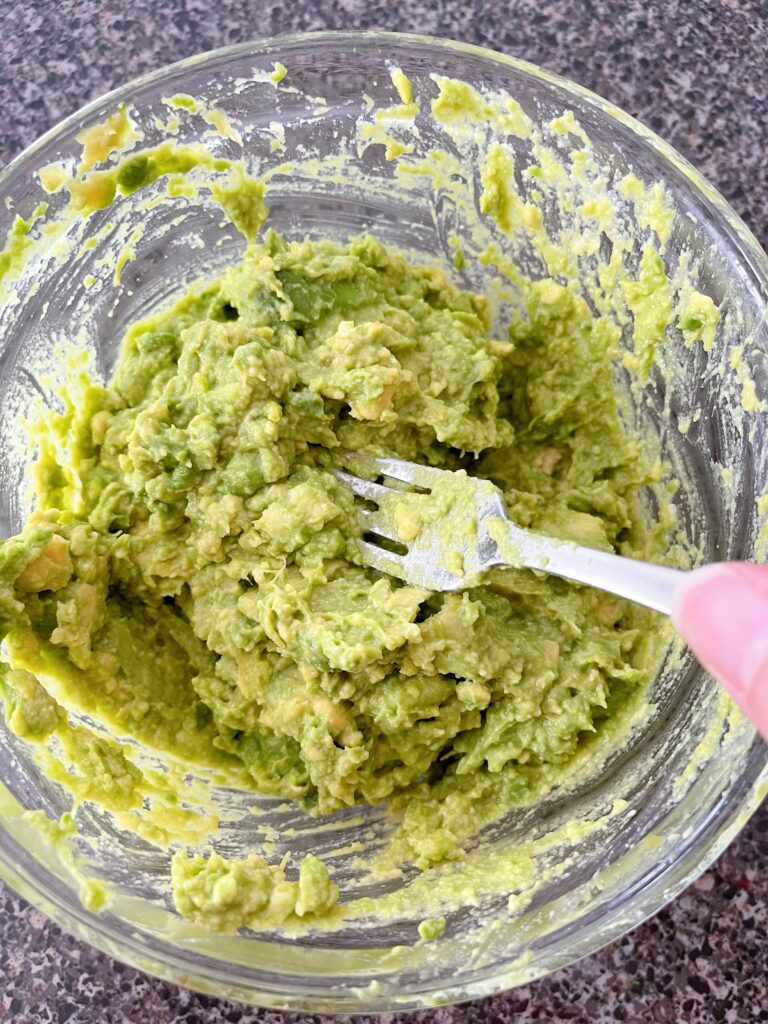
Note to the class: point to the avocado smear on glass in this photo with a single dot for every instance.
(191, 580)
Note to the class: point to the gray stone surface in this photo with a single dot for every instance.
(694, 71)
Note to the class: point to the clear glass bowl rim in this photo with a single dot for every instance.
(642, 903)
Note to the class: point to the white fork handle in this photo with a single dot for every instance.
(648, 584)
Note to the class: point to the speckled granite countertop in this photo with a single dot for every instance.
(693, 71)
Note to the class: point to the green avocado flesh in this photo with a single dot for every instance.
(191, 579)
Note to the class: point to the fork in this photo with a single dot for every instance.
(455, 528)
(463, 531)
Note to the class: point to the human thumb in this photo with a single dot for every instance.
(721, 611)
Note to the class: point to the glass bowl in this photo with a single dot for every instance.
(665, 805)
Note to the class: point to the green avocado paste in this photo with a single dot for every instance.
(191, 582)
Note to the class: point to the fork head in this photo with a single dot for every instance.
(423, 525)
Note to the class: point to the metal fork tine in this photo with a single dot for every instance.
(409, 472)
(363, 488)
(384, 561)
(373, 522)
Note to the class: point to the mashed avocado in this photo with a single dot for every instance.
(191, 577)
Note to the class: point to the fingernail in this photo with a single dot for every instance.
(721, 611)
